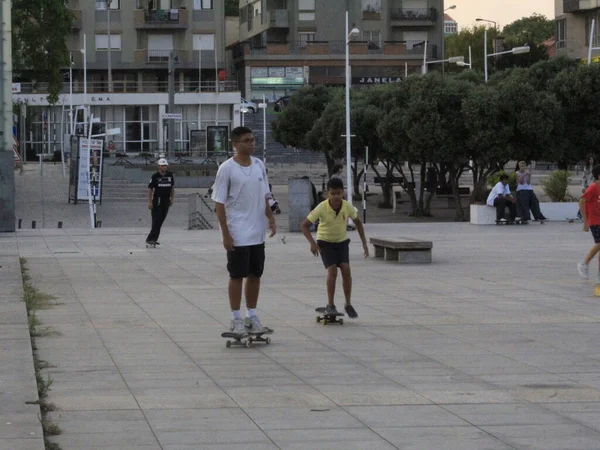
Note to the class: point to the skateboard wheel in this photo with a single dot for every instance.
(228, 344)
(341, 321)
(268, 341)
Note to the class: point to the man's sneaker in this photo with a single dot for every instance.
(253, 325)
(583, 270)
(331, 309)
(351, 311)
(237, 326)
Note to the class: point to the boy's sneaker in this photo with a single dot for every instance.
(237, 326)
(351, 311)
(583, 270)
(331, 309)
(253, 325)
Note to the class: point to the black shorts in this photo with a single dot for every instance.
(334, 253)
(246, 261)
(595, 230)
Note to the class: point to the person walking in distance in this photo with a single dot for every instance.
(161, 193)
(589, 205)
(241, 193)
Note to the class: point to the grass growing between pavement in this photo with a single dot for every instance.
(34, 301)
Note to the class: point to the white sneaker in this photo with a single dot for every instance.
(583, 270)
(237, 326)
(253, 325)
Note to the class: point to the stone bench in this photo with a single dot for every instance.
(482, 215)
(403, 250)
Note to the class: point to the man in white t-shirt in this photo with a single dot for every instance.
(501, 199)
(241, 193)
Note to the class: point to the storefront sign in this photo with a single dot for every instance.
(376, 80)
(260, 72)
(277, 81)
(276, 72)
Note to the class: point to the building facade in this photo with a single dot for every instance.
(573, 27)
(450, 25)
(134, 40)
(286, 44)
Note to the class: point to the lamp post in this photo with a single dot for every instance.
(514, 51)
(450, 7)
(464, 64)
(84, 52)
(110, 83)
(349, 36)
(452, 60)
(479, 19)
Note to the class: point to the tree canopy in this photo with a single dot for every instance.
(40, 29)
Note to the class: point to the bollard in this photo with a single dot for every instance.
(20, 220)
(59, 224)
(33, 224)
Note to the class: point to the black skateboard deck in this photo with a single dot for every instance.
(246, 339)
(512, 222)
(326, 318)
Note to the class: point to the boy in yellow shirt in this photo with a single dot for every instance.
(332, 240)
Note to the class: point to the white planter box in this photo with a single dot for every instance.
(483, 215)
(559, 210)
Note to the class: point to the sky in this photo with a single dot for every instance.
(503, 12)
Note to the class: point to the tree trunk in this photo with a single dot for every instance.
(330, 163)
(386, 189)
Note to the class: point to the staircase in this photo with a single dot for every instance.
(123, 191)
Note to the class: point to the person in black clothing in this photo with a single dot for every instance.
(161, 192)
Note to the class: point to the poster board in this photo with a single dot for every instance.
(85, 169)
(217, 140)
(197, 141)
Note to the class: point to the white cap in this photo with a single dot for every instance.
(163, 162)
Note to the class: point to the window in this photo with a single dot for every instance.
(561, 33)
(588, 29)
(203, 4)
(372, 6)
(102, 41)
(204, 42)
(373, 38)
(306, 37)
(101, 4)
(450, 27)
(306, 10)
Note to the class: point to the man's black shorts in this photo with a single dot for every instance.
(246, 261)
(334, 253)
(595, 230)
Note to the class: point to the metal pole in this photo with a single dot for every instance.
(216, 88)
(425, 57)
(62, 140)
(110, 83)
(365, 185)
(348, 142)
(485, 55)
(470, 59)
(42, 187)
(591, 41)
(264, 131)
(84, 80)
(71, 113)
(89, 175)
(405, 70)
(171, 122)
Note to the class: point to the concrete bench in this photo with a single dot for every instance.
(482, 215)
(403, 250)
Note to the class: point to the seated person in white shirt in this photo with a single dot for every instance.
(501, 199)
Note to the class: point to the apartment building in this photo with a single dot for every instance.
(143, 35)
(573, 27)
(450, 25)
(286, 44)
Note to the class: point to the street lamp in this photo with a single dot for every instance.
(450, 7)
(243, 111)
(479, 19)
(349, 36)
(464, 64)
(84, 53)
(110, 81)
(515, 51)
(452, 60)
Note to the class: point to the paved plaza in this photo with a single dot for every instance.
(493, 346)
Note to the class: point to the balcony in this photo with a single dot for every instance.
(413, 17)
(160, 58)
(574, 6)
(333, 49)
(161, 19)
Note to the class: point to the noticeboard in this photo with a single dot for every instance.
(217, 139)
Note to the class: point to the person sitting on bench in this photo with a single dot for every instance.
(501, 199)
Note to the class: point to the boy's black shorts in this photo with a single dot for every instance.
(595, 230)
(246, 261)
(334, 253)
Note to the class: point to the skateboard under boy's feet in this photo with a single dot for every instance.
(247, 338)
(512, 222)
(328, 317)
(151, 244)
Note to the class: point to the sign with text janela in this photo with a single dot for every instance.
(90, 169)
(375, 80)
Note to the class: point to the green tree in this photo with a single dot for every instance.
(304, 109)
(533, 29)
(458, 45)
(39, 41)
(232, 8)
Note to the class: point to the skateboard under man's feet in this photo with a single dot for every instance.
(247, 338)
(328, 317)
(152, 244)
(512, 222)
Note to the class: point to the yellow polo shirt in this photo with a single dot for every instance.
(332, 227)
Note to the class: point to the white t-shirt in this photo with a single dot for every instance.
(526, 186)
(243, 191)
(499, 189)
